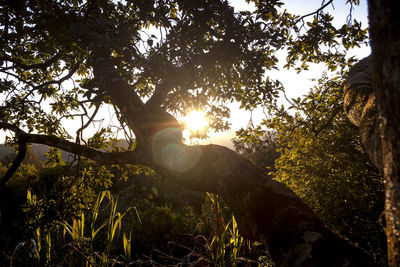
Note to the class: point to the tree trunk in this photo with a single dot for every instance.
(372, 102)
(266, 210)
(385, 42)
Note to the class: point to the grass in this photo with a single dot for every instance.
(95, 237)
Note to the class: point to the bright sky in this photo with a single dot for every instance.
(295, 84)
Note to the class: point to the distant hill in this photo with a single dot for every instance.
(5, 151)
(41, 150)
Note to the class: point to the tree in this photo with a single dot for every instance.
(372, 104)
(385, 33)
(324, 162)
(258, 146)
(204, 55)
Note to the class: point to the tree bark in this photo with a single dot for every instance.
(385, 42)
(372, 102)
(268, 211)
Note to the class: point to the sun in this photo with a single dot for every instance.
(196, 122)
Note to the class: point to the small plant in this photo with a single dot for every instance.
(225, 246)
(235, 241)
(225, 242)
(78, 238)
(32, 203)
(113, 225)
(127, 243)
(40, 243)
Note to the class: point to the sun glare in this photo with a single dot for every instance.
(196, 122)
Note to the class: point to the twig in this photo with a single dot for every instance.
(316, 11)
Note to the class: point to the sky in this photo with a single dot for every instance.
(296, 84)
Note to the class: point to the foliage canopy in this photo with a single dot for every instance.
(206, 53)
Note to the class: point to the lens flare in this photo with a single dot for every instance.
(171, 155)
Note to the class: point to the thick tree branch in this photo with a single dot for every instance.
(142, 120)
(17, 161)
(266, 210)
(106, 158)
(160, 93)
(360, 107)
(121, 93)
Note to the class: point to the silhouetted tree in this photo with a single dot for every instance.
(62, 57)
